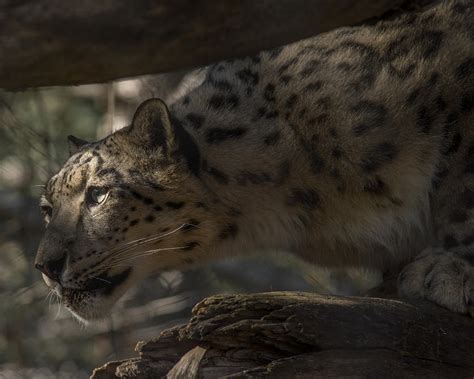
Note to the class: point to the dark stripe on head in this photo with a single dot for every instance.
(187, 147)
(112, 172)
(217, 135)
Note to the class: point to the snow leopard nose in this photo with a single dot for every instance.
(52, 268)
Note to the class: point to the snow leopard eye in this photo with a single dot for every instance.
(97, 195)
(46, 209)
(47, 212)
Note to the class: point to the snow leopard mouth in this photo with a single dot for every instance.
(95, 299)
(104, 283)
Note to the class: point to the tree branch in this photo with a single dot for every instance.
(306, 335)
(55, 42)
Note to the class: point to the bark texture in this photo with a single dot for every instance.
(302, 335)
(56, 42)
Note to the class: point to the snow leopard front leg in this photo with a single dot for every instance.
(444, 272)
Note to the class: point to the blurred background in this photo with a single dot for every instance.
(38, 338)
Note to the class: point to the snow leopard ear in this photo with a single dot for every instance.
(75, 144)
(153, 128)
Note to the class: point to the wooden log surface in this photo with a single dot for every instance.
(302, 335)
(56, 42)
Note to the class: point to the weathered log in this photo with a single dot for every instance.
(55, 42)
(301, 335)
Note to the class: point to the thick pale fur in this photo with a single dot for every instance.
(351, 149)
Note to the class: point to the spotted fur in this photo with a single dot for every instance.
(352, 148)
